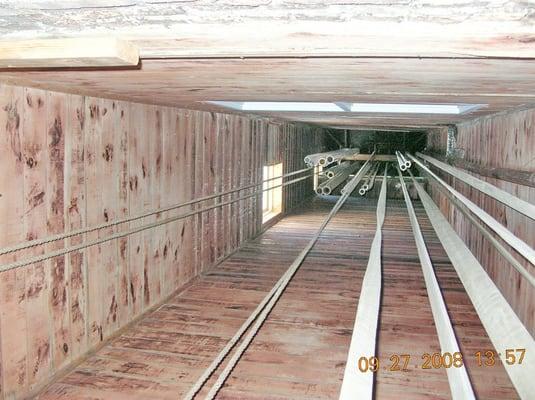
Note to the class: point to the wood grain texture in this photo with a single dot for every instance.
(301, 350)
(507, 141)
(286, 28)
(191, 83)
(70, 162)
(63, 53)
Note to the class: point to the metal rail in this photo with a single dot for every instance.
(488, 235)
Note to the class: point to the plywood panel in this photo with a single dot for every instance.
(13, 328)
(192, 82)
(58, 270)
(507, 141)
(35, 219)
(76, 162)
(94, 216)
(75, 217)
(121, 154)
(136, 206)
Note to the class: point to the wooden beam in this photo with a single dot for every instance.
(356, 384)
(460, 385)
(504, 328)
(68, 53)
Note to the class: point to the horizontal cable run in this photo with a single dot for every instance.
(118, 235)
(66, 235)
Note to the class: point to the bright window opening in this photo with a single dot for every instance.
(384, 108)
(272, 198)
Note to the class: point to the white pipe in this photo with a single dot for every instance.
(328, 187)
(401, 163)
(372, 179)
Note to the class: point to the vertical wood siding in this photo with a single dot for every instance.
(289, 144)
(508, 141)
(69, 162)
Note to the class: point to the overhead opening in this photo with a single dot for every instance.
(384, 108)
(272, 194)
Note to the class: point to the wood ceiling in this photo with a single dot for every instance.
(325, 51)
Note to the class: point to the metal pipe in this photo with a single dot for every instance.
(501, 195)
(366, 185)
(362, 171)
(406, 161)
(518, 244)
(401, 163)
(326, 158)
(329, 186)
(372, 179)
(337, 168)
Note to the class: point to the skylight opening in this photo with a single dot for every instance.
(383, 108)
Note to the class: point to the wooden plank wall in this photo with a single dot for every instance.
(70, 161)
(504, 140)
(289, 144)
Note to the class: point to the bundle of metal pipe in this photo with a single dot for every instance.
(329, 157)
(403, 161)
(313, 160)
(339, 155)
(328, 187)
(364, 169)
(331, 172)
(368, 183)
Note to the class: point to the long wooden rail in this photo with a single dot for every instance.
(504, 328)
(460, 385)
(501, 195)
(519, 245)
(358, 385)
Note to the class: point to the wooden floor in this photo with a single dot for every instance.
(300, 351)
